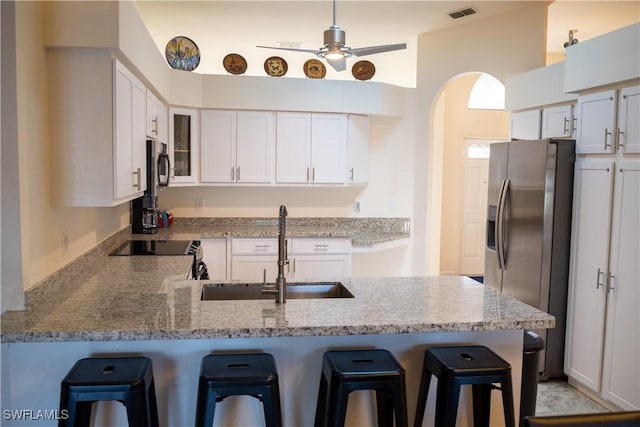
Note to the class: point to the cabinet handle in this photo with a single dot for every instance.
(609, 285)
(294, 266)
(260, 247)
(321, 247)
(598, 284)
(233, 173)
(155, 128)
(575, 124)
(307, 174)
(566, 126)
(313, 175)
(351, 174)
(620, 133)
(238, 174)
(138, 184)
(606, 132)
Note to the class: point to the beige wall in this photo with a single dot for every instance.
(43, 224)
(459, 123)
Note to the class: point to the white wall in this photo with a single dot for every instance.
(459, 123)
(500, 45)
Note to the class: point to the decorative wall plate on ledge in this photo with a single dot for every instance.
(182, 53)
(314, 69)
(234, 64)
(275, 66)
(363, 70)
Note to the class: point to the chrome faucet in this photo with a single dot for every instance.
(281, 283)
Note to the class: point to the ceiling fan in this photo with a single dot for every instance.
(334, 49)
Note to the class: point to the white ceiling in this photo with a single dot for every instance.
(222, 27)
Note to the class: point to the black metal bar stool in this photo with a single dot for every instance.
(457, 366)
(125, 379)
(224, 375)
(350, 370)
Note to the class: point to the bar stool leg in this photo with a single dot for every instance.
(447, 402)
(422, 397)
(137, 408)
(481, 404)
(384, 409)
(338, 399)
(206, 406)
(271, 406)
(507, 402)
(400, 404)
(153, 405)
(321, 404)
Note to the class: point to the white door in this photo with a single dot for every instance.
(621, 376)
(218, 160)
(595, 115)
(293, 147)
(255, 143)
(329, 148)
(124, 173)
(358, 149)
(588, 271)
(474, 207)
(628, 123)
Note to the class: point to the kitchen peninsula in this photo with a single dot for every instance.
(143, 305)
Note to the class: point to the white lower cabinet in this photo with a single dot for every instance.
(214, 255)
(603, 316)
(310, 259)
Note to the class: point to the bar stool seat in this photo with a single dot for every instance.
(125, 379)
(224, 375)
(350, 370)
(457, 366)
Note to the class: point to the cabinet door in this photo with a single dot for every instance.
(628, 122)
(358, 149)
(329, 148)
(293, 147)
(255, 143)
(525, 125)
(183, 145)
(129, 144)
(251, 268)
(588, 271)
(595, 116)
(314, 268)
(557, 122)
(152, 122)
(621, 376)
(218, 146)
(214, 254)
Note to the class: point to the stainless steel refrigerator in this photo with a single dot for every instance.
(529, 229)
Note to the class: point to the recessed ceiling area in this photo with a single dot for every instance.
(222, 27)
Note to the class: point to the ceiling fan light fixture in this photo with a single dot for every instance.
(331, 55)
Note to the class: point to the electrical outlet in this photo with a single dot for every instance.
(356, 206)
(199, 204)
(64, 243)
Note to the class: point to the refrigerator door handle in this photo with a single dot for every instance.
(500, 226)
(496, 231)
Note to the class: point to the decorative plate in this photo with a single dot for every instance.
(182, 53)
(363, 70)
(234, 64)
(314, 69)
(275, 66)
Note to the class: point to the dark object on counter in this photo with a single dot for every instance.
(533, 346)
(143, 209)
(224, 375)
(350, 370)
(456, 366)
(198, 269)
(126, 379)
(607, 419)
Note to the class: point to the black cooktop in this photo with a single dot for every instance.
(153, 247)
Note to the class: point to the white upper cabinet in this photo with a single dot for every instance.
(157, 115)
(525, 124)
(311, 148)
(629, 120)
(595, 123)
(557, 122)
(237, 147)
(358, 150)
(184, 143)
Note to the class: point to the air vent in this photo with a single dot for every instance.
(462, 12)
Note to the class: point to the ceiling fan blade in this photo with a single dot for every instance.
(362, 51)
(339, 64)
(315, 52)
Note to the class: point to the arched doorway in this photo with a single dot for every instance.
(465, 130)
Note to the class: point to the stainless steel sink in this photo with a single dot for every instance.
(253, 291)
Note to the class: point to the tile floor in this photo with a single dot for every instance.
(557, 397)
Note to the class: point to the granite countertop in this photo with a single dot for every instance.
(147, 298)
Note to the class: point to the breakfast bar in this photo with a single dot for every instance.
(124, 307)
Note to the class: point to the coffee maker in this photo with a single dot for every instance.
(144, 218)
